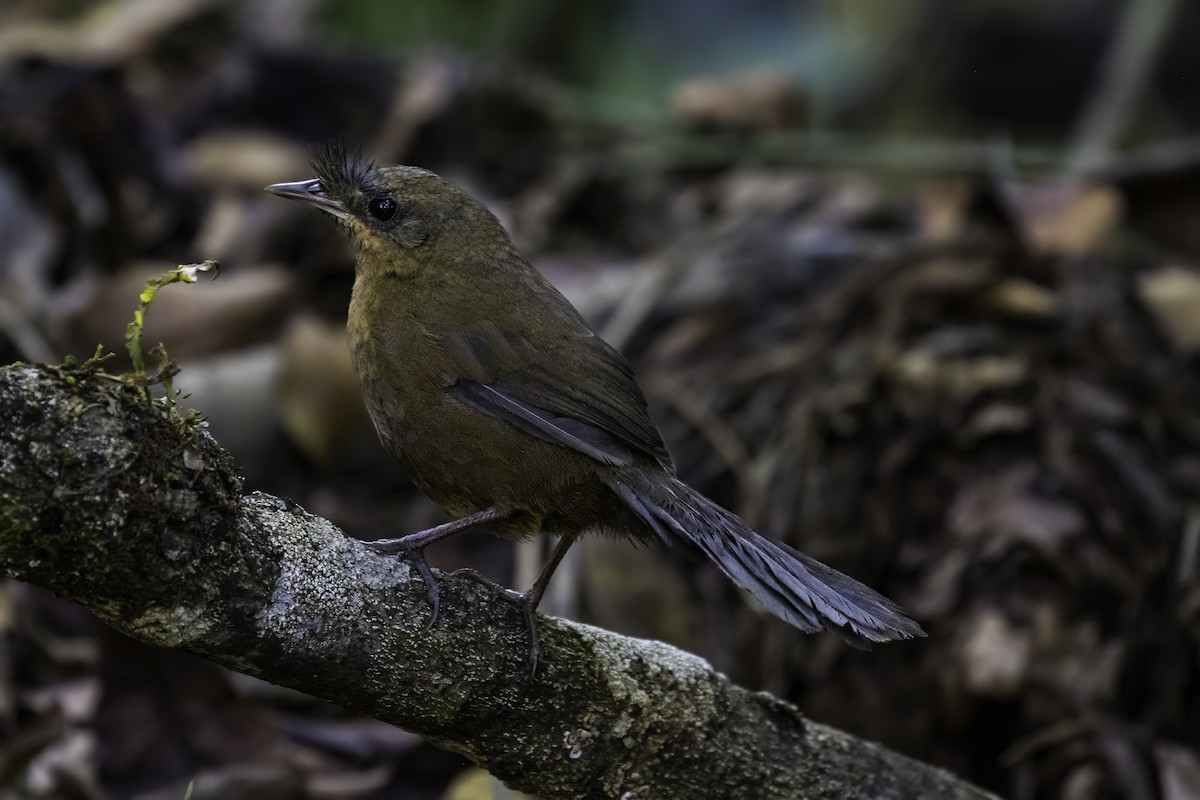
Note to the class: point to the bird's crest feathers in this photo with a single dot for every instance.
(340, 172)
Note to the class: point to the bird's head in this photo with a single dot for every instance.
(399, 216)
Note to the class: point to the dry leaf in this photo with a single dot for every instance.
(1172, 294)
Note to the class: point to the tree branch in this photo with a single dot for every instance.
(140, 517)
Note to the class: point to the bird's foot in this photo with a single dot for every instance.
(526, 602)
(414, 553)
(412, 548)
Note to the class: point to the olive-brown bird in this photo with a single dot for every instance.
(511, 414)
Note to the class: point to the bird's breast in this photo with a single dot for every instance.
(464, 459)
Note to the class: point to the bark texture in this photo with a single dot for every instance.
(112, 503)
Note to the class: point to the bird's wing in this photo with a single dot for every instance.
(574, 390)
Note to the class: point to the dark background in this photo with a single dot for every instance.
(909, 285)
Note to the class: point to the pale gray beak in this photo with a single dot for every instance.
(310, 192)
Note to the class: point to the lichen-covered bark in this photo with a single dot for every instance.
(110, 503)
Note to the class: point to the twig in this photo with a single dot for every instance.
(1123, 77)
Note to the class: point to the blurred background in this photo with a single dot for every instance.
(910, 285)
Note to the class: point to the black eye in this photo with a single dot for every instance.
(382, 208)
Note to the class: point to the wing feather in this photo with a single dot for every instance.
(579, 392)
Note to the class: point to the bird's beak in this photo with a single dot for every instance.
(310, 192)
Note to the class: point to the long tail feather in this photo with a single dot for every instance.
(794, 587)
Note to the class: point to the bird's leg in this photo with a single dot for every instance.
(412, 547)
(531, 598)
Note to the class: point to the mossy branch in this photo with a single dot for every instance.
(107, 501)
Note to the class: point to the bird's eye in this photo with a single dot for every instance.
(382, 208)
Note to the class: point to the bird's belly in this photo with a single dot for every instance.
(467, 461)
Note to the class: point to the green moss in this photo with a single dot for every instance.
(98, 473)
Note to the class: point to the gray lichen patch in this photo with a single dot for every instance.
(312, 580)
(656, 655)
(639, 671)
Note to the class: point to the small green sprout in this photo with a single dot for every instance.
(167, 369)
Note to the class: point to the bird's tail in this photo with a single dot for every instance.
(794, 587)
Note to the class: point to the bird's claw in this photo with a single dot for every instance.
(523, 601)
(475, 575)
(415, 556)
(529, 611)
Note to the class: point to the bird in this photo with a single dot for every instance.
(515, 417)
